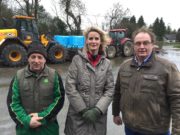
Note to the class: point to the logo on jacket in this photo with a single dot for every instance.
(46, 80)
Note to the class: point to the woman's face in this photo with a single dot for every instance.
(93, 42)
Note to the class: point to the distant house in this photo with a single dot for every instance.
(169, 38)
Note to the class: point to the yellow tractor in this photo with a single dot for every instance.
(14, 43)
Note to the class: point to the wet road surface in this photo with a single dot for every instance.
(7, 126)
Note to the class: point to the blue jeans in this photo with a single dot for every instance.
(128, 131)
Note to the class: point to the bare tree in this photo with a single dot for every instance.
(115, 15)
(55, 8)
(30, 7)
(74, 9)
(5, 9)
(0, 8)
(36, 5)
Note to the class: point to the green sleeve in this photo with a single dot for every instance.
(16, 106)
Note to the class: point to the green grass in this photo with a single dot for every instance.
(175, 45)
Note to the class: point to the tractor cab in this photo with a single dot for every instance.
(26, 28)
(120, 43)
(116, 35)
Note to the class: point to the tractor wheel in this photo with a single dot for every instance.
(56, 54)
(111, 51)
(14, 55)
(128, 49)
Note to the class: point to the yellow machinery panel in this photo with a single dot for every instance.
(7, 33)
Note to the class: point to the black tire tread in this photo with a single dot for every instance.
(51, 54)
(5, 55)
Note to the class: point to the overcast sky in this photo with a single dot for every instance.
(149, 9)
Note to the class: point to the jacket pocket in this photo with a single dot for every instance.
(124, 80)
(150, 84)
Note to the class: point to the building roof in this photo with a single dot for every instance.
(170, 36)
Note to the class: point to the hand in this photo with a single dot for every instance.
(35, 122)
(92, 115)
(33, 114)
(83, 111)
(117, 120)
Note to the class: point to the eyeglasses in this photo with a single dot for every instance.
(145, 43)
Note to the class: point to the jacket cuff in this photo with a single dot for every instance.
(99, 110)
(26, 122)
(43, 121)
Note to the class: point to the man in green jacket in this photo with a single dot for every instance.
(36, 95)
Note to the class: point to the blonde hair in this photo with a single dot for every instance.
(104, 37)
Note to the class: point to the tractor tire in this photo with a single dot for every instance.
(128, 49)
(111, 51)
(57, 54)
(14, 55)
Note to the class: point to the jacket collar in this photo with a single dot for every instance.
(147, 63)
(29, 73)
(84, 55)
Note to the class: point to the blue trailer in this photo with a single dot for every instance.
(71, 44)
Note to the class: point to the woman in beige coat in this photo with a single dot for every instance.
(89, 87)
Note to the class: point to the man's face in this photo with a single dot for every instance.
(143, 45)
(36, 62)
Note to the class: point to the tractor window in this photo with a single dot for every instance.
(112, 34)
(29, 28)
(35, 29)
(120, 34)
(23, 26)
(27, 25)
(117, 34)
(17, 24)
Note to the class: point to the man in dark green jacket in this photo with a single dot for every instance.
(36, 95)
